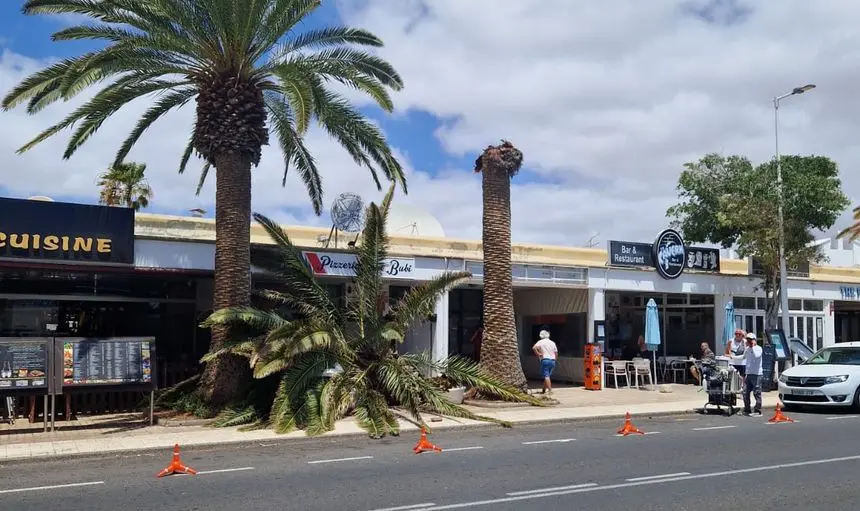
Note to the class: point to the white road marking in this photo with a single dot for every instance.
(559, 441)
(773, 423)
(713, 427)
(406, 508)
(53, 487)
(462, 448)
(341, 459)
(842, 417)
(661, 476)
(710, 475)
(220, 471)
(557, 488)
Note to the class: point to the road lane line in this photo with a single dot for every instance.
(341, 459)
(52, 487)
(646, 433)
(449, 449)
(544, 490)
(709, 475)
(220, 471)
(406, 508)
(842, 417)
(709, 428)
(661, 476)
(559, 441)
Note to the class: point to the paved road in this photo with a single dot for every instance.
(685, 463)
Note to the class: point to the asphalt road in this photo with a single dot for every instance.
(683, 463)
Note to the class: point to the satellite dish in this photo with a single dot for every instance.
(347, 215)
(347, 212)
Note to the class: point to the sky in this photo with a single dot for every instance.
(607, 101)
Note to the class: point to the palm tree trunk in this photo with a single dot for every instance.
(223, 379)
(499, 349)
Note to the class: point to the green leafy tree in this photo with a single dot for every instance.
(125, 185)
(373, 381)
(251, 72)
(730, 202)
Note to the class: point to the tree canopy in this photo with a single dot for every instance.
(726, 200)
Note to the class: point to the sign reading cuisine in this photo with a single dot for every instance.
(42, 230)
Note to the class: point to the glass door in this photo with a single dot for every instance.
(809, 329)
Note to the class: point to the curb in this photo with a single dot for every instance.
(335, 438)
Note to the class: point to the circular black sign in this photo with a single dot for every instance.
(669, 254)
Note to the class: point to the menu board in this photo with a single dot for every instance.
(23, 363)
(112, 361)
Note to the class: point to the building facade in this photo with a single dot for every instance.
(159, 282)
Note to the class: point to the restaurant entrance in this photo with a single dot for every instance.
(686, 320)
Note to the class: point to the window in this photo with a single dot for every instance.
(813, 305)
(701, 299)
(836, 356)
(568, 331)
(795, 305)
(744, 302)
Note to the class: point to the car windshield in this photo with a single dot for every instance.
(836, 356)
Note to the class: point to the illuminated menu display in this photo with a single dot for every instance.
(113, 361)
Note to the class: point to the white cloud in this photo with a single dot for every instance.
(606, 103)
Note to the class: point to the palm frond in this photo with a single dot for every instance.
(420, 302)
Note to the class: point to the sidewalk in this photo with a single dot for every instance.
(123, 433)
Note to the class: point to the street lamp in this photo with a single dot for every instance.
(783, 286)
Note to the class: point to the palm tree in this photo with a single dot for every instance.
(499, 349)
(249, 70)
(125, 185)
(853, 232)
(357, 337)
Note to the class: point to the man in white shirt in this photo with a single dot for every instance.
(752, 380)
(547, 352)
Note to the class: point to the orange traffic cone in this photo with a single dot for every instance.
(176, 466)
(779, 416)
(629, 428)
(423, 444)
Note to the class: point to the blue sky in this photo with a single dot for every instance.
(607, 106)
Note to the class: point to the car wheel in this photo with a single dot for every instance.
(857, 399)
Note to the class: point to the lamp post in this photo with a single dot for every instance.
(783, 285)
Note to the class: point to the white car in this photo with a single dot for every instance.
(831, 377)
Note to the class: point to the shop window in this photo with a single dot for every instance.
(676, 300)
(568, 331)
(795, 305)
(396, 293)
(701, 299)
(138, 285)
(813, 305)
(472, 300)
(762, 303)
(744, 302)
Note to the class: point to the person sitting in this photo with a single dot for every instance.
(708, 358)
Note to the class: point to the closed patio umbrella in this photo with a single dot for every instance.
(729, 328)
(652, 331)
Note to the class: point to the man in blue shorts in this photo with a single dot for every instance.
(547, 352)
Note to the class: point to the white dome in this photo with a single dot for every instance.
(41, 198)
(409, 220)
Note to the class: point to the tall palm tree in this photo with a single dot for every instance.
(500, 352)
(358, 338)
(125, 185)
(852, 233)
(250, 71)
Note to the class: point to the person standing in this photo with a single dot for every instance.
(735, 350)
(547, 352)
(752, 380)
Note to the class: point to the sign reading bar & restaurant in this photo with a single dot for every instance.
(669, 255)
(44, 230)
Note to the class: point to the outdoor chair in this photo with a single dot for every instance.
(618, 368)
(642, 369)
(678, 367)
